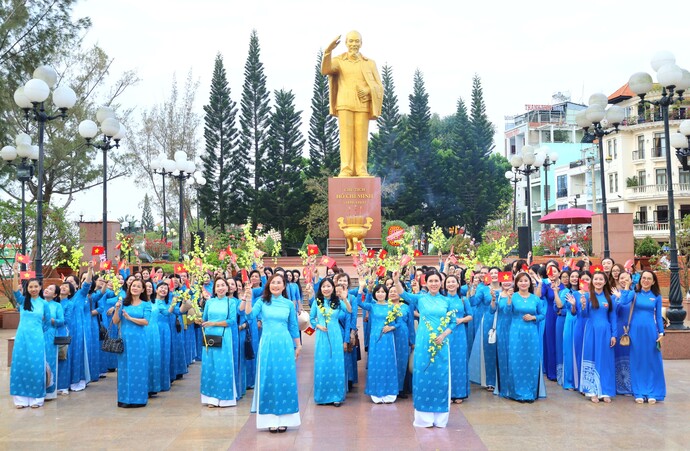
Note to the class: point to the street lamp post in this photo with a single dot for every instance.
(165, 167)
(527, 163)
(184, 169)
(674, 81)
(550, 158)
(25, 170)
(31, 98)
(113, 132)
(514, 178)
(592, 118)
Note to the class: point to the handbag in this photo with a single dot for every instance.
(114, 345)
(214, 341)
(625, 338)
(62, 352)
(492, 331)
(62, 340)
(248, 348)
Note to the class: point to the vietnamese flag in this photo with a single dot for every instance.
(97, 250)
(405, 260)
(245, 276)
(222, 255)
(453, 259)
(23, 259)
(381, 271)
(312, 249)
(383, 254)
(584, 285)
(309, 331)
(358, 246)
(258, 253)
(487, 279)
(551, 271)
(371, 253)
(229, 250)
(121, 265)
(505, 276)
(525, 268)
(597, 268)
(417, 253)
(328, 261)
(561, 252)
(26, 275)
(179, 268)
(106, 265)
(574, 248)
(118, 246)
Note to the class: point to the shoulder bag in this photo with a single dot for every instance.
(114, 345)
(492, 331)
(215, 341)
(625, 338)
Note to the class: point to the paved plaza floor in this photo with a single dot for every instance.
(176, 420)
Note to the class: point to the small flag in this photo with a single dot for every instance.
(381, 271)
(629, 264)
(561, 252)
(26, 275)
(309, 331)
(328, 261)
(106, 265)
(355, 261)
(198, 262)
(505, 276)
(551, 271)
(312, 249)
(487, 279)
(222, 255)
(417, 253)
(358, 246)
(574, 248)
(229, 250)
(525, 267)
(245, 276)
(453, 259)
(584, 285)
(307, 274)
(405, 260)
(371, 253)
(179, 268)
(258, 253)
(596, 268)
(97, 250)
(118, 246)
(422, 280)
(24, 259)
(383, 254)
(121, 265)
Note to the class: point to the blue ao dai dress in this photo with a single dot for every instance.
(459, 377)
(549, 351)
(80, 373)
(382, 365)
(133, 363)
(63, 377)
(482, 365)
(28, 370)
(108, 359)
(91, 328)
(348, 323)
(524, 363)
(54, 327)
(561, 315)
(622, 353)
(275, 394)
(646, 364)
(578, 334)
(570, 373)
(153, 344)
(503, 381)
(164, 337)
(598, 371)
(330, 380)
(218, 381)
(178, 364)
(255, 332)
(241, 373)
(404, 336)
(430, 380)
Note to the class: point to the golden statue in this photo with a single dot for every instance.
(356, 98)
(355, 229)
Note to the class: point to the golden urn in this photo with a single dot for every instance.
(355, 229)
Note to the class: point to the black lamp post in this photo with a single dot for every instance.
(514, 178)
(113, 132)
(25, 171)
(674, 81)
(550, 158)
(592, 118)
(31, 98)
(527, 163)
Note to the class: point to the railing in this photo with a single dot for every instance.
(651, 191)
(658, 152)
(638, 154)
(653, 226)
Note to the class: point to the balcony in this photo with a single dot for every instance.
(658, 152)
(638, 154)
(655, 229)
(645, 192)
(562, 193)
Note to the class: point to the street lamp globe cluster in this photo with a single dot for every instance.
(528, 162)
(514, 178)
(674, 81)
(681, 142)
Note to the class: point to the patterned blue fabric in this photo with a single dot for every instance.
(133, 363)
(549, 350)
(27, 373)
(218, 364)
(79, 369)
(93, 349)
(524, 366)
(382, 365)
(459, 377)
(178, 364)
(54, 327)
(63, 378)
(165, 338)
(570, 375)
(503, 381)
(330, 381)
(153, 344)
(646, 364)
(404, 336)
(622, 353)
(598, 372)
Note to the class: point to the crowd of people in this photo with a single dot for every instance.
(428, 332)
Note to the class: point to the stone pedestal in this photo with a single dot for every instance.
(621, 240)
(92, 235)
(353, 198)
(676, 345)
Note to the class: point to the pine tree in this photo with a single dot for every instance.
(222, 202)
(384, 149)
(254, 117)
(281, 202)
(482, 129)
(324, 142)
(146, 215)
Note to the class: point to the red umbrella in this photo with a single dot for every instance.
(568, 216)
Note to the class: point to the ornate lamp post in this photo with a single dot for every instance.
(31, 98)
(25, 170)
(514, 178)
(113, 132)
(183, 170)
(527, 163)
(550, 157)
(593, 118)
(674, 81)
(165, 167)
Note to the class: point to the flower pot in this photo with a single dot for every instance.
(10, 320)
(64, 271)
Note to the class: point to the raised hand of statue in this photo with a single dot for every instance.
(333, 44)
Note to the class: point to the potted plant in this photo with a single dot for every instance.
(644, 249)
(69, 260)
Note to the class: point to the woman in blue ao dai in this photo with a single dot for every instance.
(570, 373)
(625, 295)
(646, 337)
(178, 362)
(348, 323)
(482, 365)
(162, 304)
(503, 380)
(382, 366)
(524, 365)
(459, 377)
(560, 307)
(55, 327)
(579, 294)
(598, 372)
(330, 380)
(275, 394)
(404, 336)
(132, 315)
(80, 374)
(218, 380)
(431, 379)
(66, 293)
(28, 370)
(153, 341)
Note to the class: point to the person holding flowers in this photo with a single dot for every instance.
(431, 375)
(459, 382)
(330, 380)
(382, 368)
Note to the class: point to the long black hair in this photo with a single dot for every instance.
(606, 289)
(27, 298)
(128, 298)
(334, 302)
(266, 295)
(655, 285)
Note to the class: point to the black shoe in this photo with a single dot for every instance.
(337, 404)
(402, 395)
(282, 429)
(179, 377)
(111, 370)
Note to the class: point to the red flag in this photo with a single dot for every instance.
(24, 259)
(328, 261)
(245, 276)
(106, 265)
(118, 246)
(574, 248)
(121, 265)
(422, 281)
(355, 261)
(312, 249)
(525, 267)
(307, 274)
(551, 271)
(417, 253)
(381, 271)
(596, 268)
(222, 255)
(561, 252)
(487, 279)
(358, 246)
(584, 285)
(505, 276)
(383, 254)
(629, 264)
(405, 260)
(258, 253)
(179, 268)
(97, 250)
(371, 253)
(26, 275)
(309, 331)
(453, 259)
(229, 250)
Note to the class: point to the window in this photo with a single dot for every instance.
(683, 177)
(615, 148)
(610, 144)
(661, 176)
(614, 210)
(642, 215)
(613, 182)
(641, 178)
(661, 213)
(562, 186)
(658, 151)
(563, 207)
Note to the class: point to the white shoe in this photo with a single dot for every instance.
(651, 401)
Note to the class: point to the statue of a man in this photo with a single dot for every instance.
(356, 98)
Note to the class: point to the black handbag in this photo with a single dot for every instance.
(248, 348)
(62, 340)
(214, 341)
(102, 332)
(114, 345)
